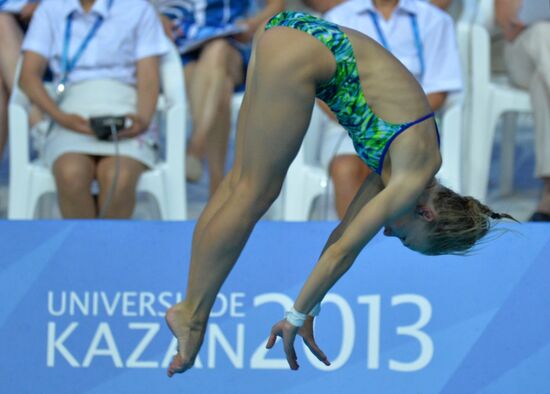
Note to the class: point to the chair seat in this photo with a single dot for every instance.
(492, 96)
(512, 97)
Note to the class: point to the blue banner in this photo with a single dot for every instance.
(83, 302)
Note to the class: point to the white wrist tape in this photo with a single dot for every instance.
(295, 318)
(316, 310)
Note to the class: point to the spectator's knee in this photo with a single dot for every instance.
(345, 167)
(72, 178)
(216, 54)
(126, 180)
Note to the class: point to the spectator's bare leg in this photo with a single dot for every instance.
(195, 101)
(528, 60)
(10, 44)
(216, 149)
(11, 38)
(123, 200)
(537, 47)
(279, 109)
(544, 204)
(3, 117)
(211, 81)
(348, 172)
(74, 174)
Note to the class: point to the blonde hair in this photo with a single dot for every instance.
(460, 222)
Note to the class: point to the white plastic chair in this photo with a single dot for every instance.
(306, 179)
(491, 97)
(455, 112)
(29, 179)
(450, 126)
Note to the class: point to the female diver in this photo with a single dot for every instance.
(296, 59)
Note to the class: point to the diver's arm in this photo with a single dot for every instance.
(411, 173)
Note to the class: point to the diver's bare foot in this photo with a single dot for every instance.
(189, 338)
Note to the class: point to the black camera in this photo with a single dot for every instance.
(103, 126)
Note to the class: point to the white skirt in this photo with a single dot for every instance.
(98, 98)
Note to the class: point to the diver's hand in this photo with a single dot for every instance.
(306, 332)
(287, 332)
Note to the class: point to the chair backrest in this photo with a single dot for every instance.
(18, 110)
(171, 76)
(480, 44)
(312, 141)
(485, 15)
(463, 36)
(17, 96)
(173, 91)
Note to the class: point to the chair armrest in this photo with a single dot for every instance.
(18, 124)
(175, 120)
(453, 100)
(18, 127)
(171, 77)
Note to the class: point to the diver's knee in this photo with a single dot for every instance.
(258, 194)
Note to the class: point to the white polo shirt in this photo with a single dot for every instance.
(131, 30)
(436, 31)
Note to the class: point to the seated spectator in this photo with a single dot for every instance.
(213, 70)
(13, 14)
(422, 37)
(527, 55)
(104, 56)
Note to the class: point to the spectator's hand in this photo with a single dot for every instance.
(27, 11)
(138, 127)
(506, 15)
(514, 28)
(76, 123)
(167, 26)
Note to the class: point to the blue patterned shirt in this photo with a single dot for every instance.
(193, 14)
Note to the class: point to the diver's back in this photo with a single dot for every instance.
(390, 89)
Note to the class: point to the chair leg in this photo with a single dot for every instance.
(451, 149)
(480, 156)
(509, 126)
(295, 203)
(176, 206)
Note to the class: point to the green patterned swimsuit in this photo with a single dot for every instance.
(371, 135)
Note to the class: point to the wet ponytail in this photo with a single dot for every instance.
(460, 222)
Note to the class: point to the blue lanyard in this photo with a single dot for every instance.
(68, 65)
(417, 40)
